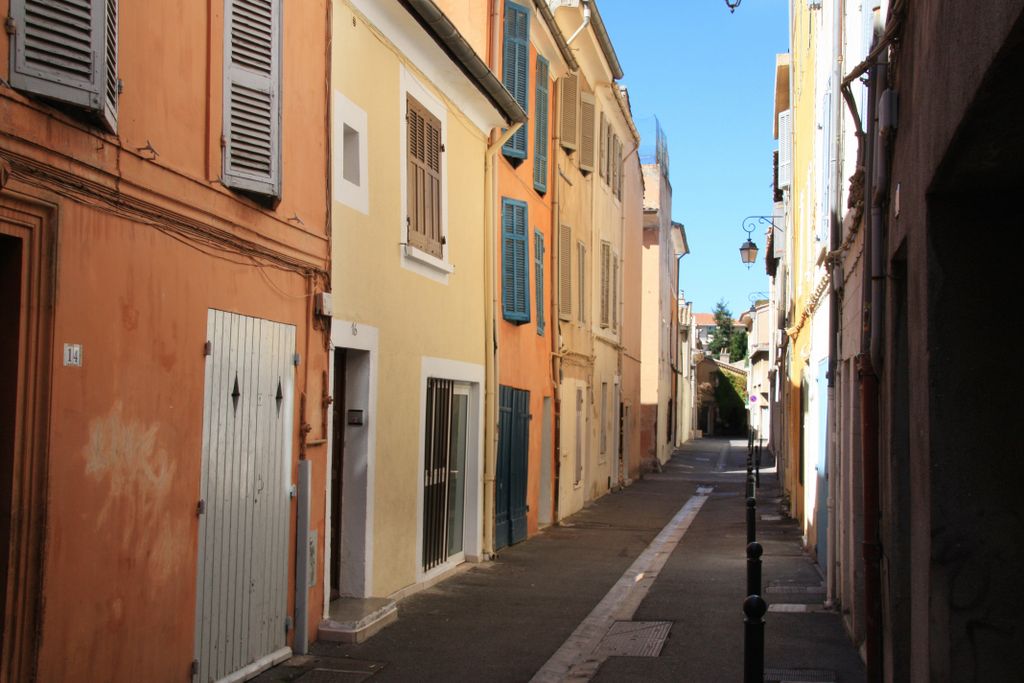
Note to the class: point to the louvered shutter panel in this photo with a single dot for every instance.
(565, 272)
(826, 166)
(538, 277)
(423, 175)
(67, 50)
(615, 292)
(785, 149)
(606, 258)
(586, 132)
(568, 110)
(603, 148)
(540, 127)
(581, 284)
(515, 287)
(252, 96)
(516, 70)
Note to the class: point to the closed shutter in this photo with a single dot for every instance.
(602, 148)
(516, 70)
(586, 132)
(538, 277)
(606, 257)
(67, 50)
(785, 149)
(540, 127)
(515, 287)
(252, 96)
(565, 272)
(568, 110)
(617, 166)
(423, 175)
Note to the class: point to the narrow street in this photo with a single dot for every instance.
(503, 620)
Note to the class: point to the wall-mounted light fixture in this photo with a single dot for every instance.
(748, 250)
(732, 4)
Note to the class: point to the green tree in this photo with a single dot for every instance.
(722, 338)
(738, 346)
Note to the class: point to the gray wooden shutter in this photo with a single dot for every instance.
(252, 96)
(587, 132)
(67, 50)
(423, 175)
(785, 149)
(568, 110)
(565, 272)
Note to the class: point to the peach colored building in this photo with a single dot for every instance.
(164, 244)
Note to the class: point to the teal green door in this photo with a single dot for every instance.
(510, 482)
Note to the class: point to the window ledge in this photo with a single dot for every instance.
(423, 257)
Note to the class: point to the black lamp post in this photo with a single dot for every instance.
(732, 4)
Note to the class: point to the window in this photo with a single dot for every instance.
(581, 283)
(538, 276)
(516, 70)
(606, 258)
(351, 182)
(423, 175)
(67, 53)
(785, 149)
(515, 269)
(350, 154)
(586, 132)
(568, 110)
(252, 96)
(540, 127)
(565, 273)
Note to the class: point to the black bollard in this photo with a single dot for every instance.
(757, 467)
(754, 608)
(754, 552)
(751, 521)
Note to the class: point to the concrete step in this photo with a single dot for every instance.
(355, 620)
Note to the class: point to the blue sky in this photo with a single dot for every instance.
(709, 77)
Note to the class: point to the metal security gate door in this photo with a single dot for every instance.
(444, 471)
(242, 572)
(510, 483)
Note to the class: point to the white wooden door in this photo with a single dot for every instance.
(242, 571)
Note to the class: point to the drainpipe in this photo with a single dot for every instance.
(586, 22)
(869, 398)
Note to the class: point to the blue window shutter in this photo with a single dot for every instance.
(515, 69)
(538, 276)
(515, 269)
(540, 128)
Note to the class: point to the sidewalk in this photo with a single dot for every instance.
(503, 620)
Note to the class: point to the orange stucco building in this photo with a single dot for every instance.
(163, 246)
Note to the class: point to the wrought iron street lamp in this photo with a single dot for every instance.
(732, 4)
(748, 250)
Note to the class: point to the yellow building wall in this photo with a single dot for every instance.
(415, 316)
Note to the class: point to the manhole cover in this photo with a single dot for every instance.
(799, 676)
(634, 639)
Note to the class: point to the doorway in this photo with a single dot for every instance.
(510, 483)
(444, 472)
(10, 348)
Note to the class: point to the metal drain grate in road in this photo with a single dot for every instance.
(799, 676)
(634, 639)
(795, 588)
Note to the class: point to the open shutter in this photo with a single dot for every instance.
(615, 292)
(785, 149)
(516, 70)
(423, 175)
(515, 287)
(565, 272)
(540, 127)
(568, 110)
(252, 96)
(606, 258)
(538, 277)
(826, 166)
(67, 50)
(586, 132)
(602, 148)
(581, 282)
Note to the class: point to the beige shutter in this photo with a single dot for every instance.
(581, 284)
(568, 110)
(565, 272)
(615, 292)
(424, 179)
(602, 147)
(587, 132)
(606, 257)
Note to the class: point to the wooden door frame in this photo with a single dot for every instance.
(33, 220)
